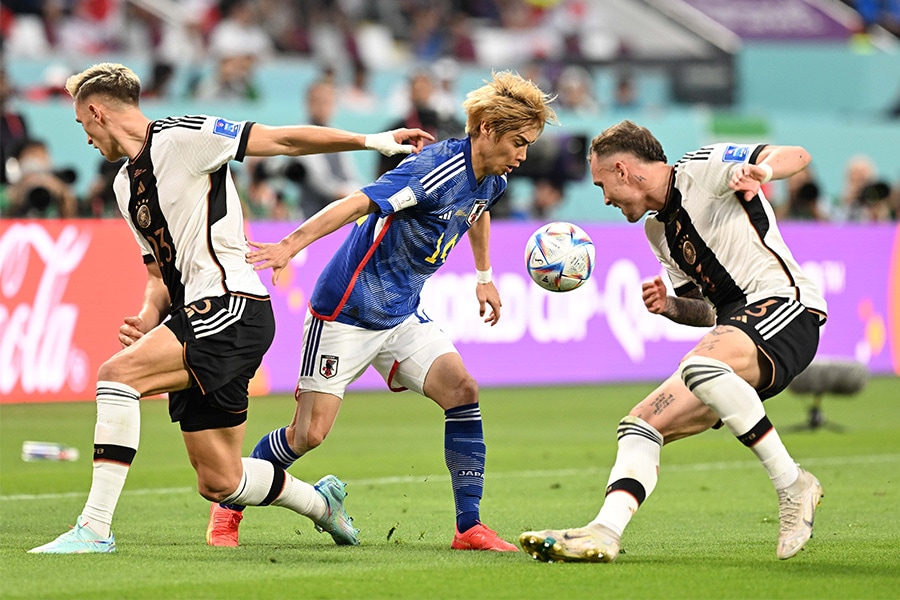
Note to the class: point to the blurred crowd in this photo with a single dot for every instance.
(865, 197)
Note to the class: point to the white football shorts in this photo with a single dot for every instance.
(334, 355)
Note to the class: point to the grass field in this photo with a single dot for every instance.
(708, 531)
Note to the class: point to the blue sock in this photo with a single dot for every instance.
(464, 454)
(274, 448)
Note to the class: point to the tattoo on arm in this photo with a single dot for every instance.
(690, 309)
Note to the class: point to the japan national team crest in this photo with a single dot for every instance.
(328, 366)
(476, 211)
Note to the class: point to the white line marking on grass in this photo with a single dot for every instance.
(834, 461)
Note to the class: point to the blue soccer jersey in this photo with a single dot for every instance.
(426, 204)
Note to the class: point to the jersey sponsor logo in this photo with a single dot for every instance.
(403, 199)
(226, 128)
(328, 366)
(477, 211)
(736, 154)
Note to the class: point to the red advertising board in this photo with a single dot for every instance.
(65, 287)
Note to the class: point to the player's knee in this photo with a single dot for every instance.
(696, 370)
(216, 487)
(465, 391)
(111, 370)
(303, 442)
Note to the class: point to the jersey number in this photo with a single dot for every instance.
(159, 243)
(442, 251)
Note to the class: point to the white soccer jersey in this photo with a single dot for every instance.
(708, 235)
(180, 200)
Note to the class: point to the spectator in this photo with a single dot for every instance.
(875, 200)
(547, 194)
(13, 126)
(93, 27)
(238, 43)
(356, 96)
(240, 29)
(427, 32)
(575, 87)
(232, 78)
(423, 114)
(803, 198)
(327, 177)
(36, 188)
(625, 97)
(460, 44)
(859, 172)
(444, 98)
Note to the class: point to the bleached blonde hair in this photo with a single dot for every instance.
(111, 80)
(508, 103)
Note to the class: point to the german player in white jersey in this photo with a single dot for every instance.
(177, 194)
(715, 233)
(365, 309)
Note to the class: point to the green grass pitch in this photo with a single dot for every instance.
(708, 531)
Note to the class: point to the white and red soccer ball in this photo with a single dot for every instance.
(559, 256)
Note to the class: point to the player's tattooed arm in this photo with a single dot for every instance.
(690, 309)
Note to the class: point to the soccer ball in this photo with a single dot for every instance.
(559, 256)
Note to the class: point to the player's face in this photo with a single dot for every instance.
(500, 154)
(608, 175)
(88, 116)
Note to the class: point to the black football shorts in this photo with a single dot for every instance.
(224, 341)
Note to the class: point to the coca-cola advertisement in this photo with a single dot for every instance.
(64, 288)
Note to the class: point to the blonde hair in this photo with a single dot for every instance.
(112, 80)
(630, 138)
(508, 103)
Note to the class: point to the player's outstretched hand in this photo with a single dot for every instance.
(654, 294)
(747, 179)
(390, 143)
(265, 256)
(131, 331)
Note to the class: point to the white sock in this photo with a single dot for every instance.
(633, 476)
(116, 438)
(738, 405)
(262, 483)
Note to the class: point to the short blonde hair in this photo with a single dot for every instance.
(508, 103)
(112, 80)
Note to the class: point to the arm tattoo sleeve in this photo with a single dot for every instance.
(690, 309)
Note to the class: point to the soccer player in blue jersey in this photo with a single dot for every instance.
(365, 310)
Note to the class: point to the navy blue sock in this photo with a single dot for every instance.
(464, 454)
(274, 448)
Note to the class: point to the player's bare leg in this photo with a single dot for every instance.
(669, 413)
